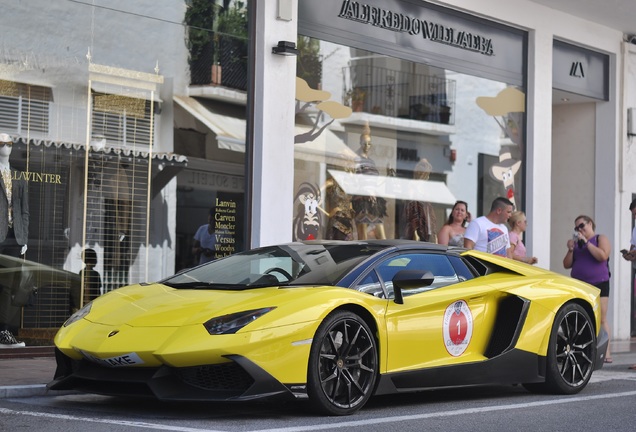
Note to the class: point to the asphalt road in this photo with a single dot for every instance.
(607, 404)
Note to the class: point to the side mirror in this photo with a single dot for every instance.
(409, 279)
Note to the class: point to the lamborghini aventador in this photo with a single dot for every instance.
(335, 323)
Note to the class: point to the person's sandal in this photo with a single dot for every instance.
(609, 360)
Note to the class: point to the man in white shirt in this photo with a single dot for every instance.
(489, 233)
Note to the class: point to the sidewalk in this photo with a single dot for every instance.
(24, 372)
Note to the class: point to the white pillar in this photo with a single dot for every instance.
(273, 125)
(539, 144)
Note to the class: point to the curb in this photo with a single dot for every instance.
(32, 390)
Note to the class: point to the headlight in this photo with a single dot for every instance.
(228, 324)
(79, 314)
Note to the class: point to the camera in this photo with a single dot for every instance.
(575, 237)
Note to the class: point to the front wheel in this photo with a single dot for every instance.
(343, 364)
(571, 353)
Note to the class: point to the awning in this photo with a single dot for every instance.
(326, 147)
(166, 165)
(230, 134)
(229, 130)
(394, 187)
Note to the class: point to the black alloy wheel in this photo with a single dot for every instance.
(571, 353)
(343, 364)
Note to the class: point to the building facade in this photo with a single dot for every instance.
(293, 119)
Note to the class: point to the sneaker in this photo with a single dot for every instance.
(7, 340)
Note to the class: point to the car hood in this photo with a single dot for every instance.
(157, 305)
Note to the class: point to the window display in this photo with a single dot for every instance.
(403, 144)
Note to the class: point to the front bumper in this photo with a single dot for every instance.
(236, 380)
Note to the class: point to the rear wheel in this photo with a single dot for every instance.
(571, 353)
(343, 364)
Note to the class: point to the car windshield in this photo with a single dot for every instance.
(291, 264)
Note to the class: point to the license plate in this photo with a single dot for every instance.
(123, 360)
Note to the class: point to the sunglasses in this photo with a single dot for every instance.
(2, 144)
(580, 226)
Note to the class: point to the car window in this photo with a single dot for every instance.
(463, 271)
(370, 284)
(438, 264)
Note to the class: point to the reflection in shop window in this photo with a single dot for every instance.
(121, 119)
(385, 146)
(24, 107)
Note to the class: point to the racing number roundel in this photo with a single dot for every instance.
(457, 328)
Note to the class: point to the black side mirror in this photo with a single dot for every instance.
(409, 279)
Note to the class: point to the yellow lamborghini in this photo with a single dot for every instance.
(335, 322)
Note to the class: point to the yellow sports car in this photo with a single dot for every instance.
(335, 322)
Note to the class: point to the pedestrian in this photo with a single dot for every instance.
(489, 233)
(518, 224)
(452, 233)
(205, 241)
(631, 254)
(587, 255)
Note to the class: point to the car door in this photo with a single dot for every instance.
(439, 324)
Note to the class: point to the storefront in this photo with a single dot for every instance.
(390, 109)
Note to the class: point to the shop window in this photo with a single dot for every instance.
(24, 107)
(377, 144)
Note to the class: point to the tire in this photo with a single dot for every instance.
(343, 365)
(571, 353)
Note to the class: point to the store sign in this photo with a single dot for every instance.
(211, 181)
(577, 70)
(414, 26)
(36, 177)
(420, 32)
(581, 71)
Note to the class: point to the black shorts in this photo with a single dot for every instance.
(604, 287)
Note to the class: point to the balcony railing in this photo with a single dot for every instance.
(230, 69)
(394, 93)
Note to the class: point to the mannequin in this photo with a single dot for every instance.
(419, 216)
(368, 209)
(14, 228)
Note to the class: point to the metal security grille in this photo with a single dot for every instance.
(24, 107)
(121, 119)
(116, 215)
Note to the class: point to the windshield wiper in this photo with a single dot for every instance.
(200, 284)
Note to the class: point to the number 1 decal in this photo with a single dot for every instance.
(457, 328)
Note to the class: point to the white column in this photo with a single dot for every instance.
(273, 126)
(539, 143)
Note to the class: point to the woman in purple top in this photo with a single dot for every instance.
(587, 256)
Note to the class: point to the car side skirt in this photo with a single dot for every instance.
(513, 367)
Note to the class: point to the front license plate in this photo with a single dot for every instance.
(130, 359)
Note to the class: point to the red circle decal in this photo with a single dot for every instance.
(458, 327)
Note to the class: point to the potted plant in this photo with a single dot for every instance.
(231, 39)
(355, 99)
(200, 19)
(216, 65)
(444, 114)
